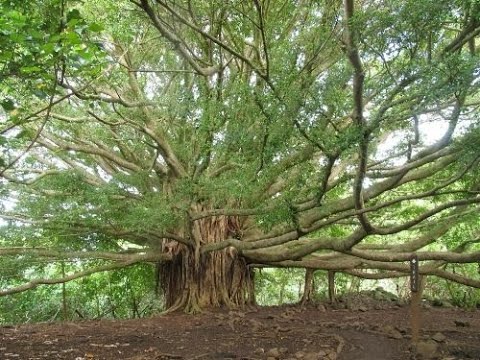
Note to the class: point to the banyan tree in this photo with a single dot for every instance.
(210, 138)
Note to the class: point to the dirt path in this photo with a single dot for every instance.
(263, 333)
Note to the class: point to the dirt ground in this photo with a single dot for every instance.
(286, 332)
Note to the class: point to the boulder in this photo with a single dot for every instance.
(427, 349)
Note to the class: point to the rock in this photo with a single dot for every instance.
(439, 337)
(331, 354)
(447, 304)
(339, 306)
(391, 332)
(427, 349)
(311, 356)
(442, 303)
(256, 325)
(381, 294)
(358, 325)
(238, 314)
(283, 350)
(362, 308)
(395, 334)
(259, 351)
(299, 355)
(426, 305)
(274, 353)
(283, 329)
(462, 323)
(321, 308)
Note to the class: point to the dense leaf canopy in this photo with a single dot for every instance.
(333, 136)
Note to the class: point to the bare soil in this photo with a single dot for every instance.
(286, 332)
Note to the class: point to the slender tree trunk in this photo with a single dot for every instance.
(64, 296)
(192, 281)
(308, 287)
(331, 286)
(135, 312)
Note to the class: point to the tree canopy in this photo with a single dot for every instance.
(312, 134)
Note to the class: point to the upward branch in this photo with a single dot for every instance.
(358, 117)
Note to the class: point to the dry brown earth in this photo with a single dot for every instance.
(287, 332)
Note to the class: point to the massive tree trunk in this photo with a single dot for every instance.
(192, 281)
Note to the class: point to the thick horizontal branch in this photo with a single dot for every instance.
(375, 275)
(426, 215)
(36, 282)
(57, 254)
(391, 256)
(250, 245)
(353, 267)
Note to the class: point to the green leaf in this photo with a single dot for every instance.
(30, 69)
(85, 54)
(17, 17)
(24, 134)
(8, 105)
(73, 14)
(96, 27)
(48, 48)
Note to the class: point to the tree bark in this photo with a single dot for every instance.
(64, 296)
(331, 286)
(309, 287)
(192, 281)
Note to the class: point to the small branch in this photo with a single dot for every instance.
(213, 39)
(261, 19)
(177, 42)
(232, 212)
(88, 149)
(162, 71)
(38, 132)
(111, 98)
(426, 215)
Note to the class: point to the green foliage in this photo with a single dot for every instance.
(126, 293)
(440, 291)
(39, 39)
(285, 286)
(278, 286)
